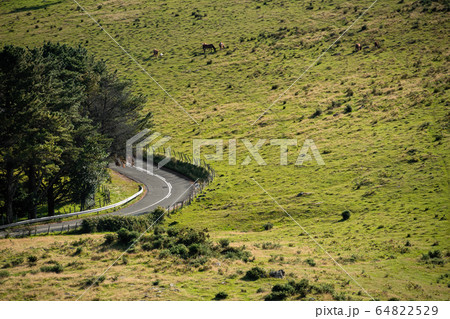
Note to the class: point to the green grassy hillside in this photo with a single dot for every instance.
(383, 129)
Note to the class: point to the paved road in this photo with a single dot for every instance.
(163, 188)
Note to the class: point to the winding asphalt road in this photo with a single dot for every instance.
(162, 188)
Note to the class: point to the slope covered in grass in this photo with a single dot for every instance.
(382, 129)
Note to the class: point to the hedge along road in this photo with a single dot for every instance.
(162, 188)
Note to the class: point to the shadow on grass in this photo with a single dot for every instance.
(32, 8)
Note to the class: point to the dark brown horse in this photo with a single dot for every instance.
(208, 47)
(155, 52)
(358, 47)
(221, 46)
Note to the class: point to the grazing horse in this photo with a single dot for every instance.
(376, 44)
(221, 46)
(358, 47)
(208, 46)
(155, 52)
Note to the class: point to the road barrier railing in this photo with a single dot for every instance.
(84, 212)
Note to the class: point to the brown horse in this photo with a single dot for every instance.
(155, 52)
(208, 47)
(358, 47)
(221, 46)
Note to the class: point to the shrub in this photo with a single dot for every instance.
(17, 261)
(224, 242)
(32, 259)
(94, 281)
(349, 92)
(114, 223)
(316, 113)
(345, 215)
(189, 236)
(276, 296)
(199, 250)
(78, 251)
(57, 268)
(433, 257)
(164, 254)
(4, 274)
(221, 296)
(197, 262)
(109, 239)
(282, 291)
(255, 273)
(147, 246)
(179, 250)
(268, 226)
(348, 109)
(126, 237)
(310, 262)
(286, 288)
(324, 288)
(236, 253)
(435, 254)
(270, 245)
(340, 297)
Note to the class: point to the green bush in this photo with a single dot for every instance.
(345, 215)
(17, 261)
(268, 226)
(316, 113)
(221, 296)
(340, 297)
(224, 242)
(147, 246)
(164, 254)
(4, 274)
(236, 253)
(94, 281)
(270, 245)
(286, 288)
(126, 237)
(109, 239)
(283, 291)
(255, 273)
(302, 287)
(78, 251)
(433, 257)
(310, 262)
(113, 223)
(276, 296)
(179, 250)
(199, 250)
(32, 259)
(324, 288)
(57, 268)
(347, 109)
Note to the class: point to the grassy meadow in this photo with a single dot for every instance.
(379, 117)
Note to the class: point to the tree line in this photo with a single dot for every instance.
(63, 115)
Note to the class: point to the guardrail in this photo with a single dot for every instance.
(94, 210)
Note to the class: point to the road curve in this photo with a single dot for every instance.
(162, 188)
